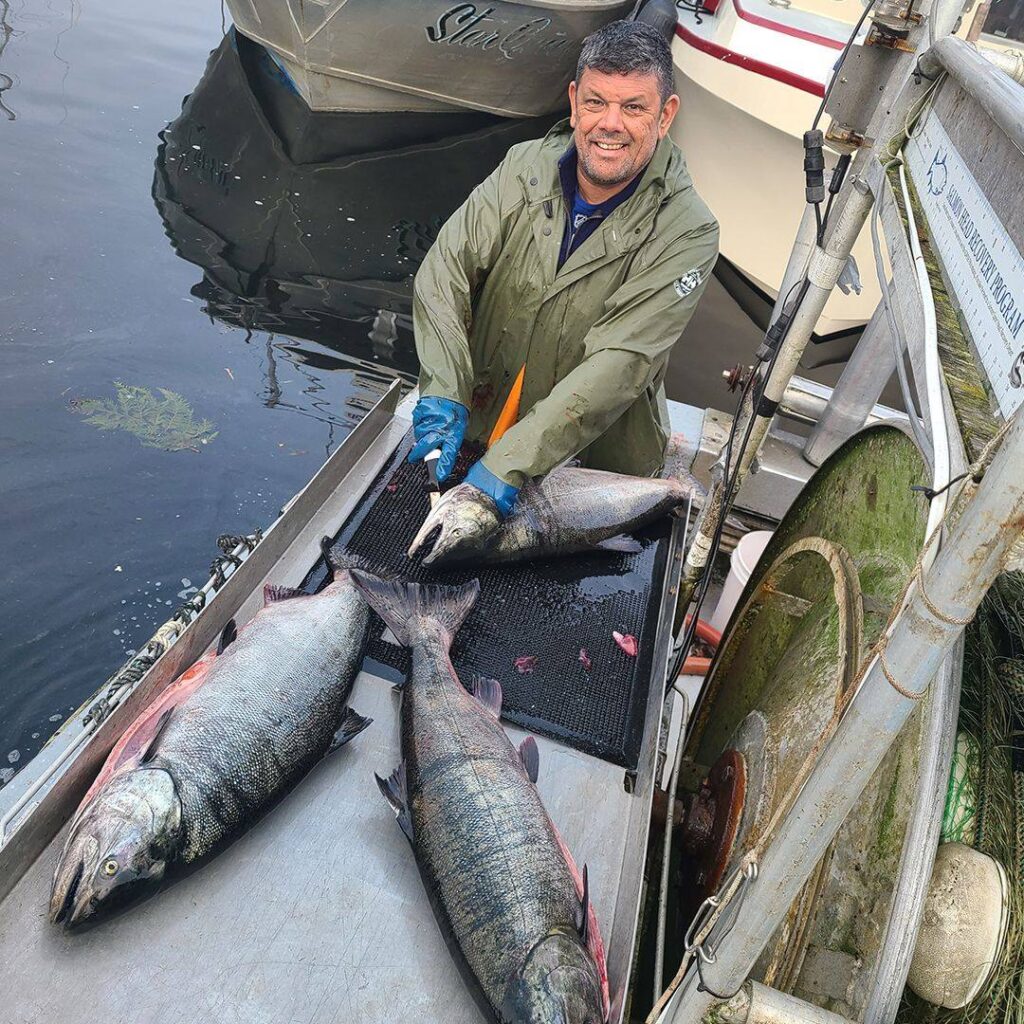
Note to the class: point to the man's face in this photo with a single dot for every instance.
(618, 122)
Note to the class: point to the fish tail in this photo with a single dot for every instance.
(412, 610)
(340, 560)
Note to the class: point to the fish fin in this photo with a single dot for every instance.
(409, 609)
(227, 637)
(396, 793)
(529, 754)
(621, 543)
(341, 561)
(325, 550)
(273, 594)
(150, 752)
(595, 943)
(583, 924)
(352, 724)
(488, 692)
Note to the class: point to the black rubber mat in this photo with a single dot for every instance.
(535, 625)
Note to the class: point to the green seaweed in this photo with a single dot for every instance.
(889, 840)
(972, 402)
(163, 420)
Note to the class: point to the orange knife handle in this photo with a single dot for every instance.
(510, 411)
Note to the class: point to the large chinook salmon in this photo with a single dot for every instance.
(232, 734)
(515, 912)
(569, 510)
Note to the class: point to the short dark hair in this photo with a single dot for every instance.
(627, 48)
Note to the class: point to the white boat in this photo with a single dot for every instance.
(509, 57)
(751, 74)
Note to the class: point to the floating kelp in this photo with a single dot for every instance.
(163, 420)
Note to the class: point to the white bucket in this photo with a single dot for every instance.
(741, 565)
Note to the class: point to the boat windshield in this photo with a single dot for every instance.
(1001, 21)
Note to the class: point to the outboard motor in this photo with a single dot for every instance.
(659, 14)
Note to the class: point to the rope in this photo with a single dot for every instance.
(951, 620)
(879, 649)
(132, 671)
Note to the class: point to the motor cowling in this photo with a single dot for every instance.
(659, 14)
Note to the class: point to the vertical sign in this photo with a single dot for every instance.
(981, 261)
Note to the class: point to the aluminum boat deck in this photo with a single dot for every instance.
(318, 913)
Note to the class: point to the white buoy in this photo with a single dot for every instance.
(963, 928)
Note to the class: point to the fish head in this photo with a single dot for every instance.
(558, 984)
(118, 846)
(458, 527)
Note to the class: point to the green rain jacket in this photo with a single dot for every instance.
(595, 336)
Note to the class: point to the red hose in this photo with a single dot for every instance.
(707, 633)
(696, 667)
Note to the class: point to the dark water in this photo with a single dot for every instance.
(252, 259)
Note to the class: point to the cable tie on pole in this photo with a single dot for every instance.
(931, 494)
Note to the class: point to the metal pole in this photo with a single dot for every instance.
(922, 635)
(799, 256)
(806, 402)
(997, 94)
(866, 373)
(758, 1004)
(888, 128)
(823, 271)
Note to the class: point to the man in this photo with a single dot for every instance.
(581, 258)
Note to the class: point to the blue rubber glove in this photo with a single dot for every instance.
(438, 423)
(502, 494)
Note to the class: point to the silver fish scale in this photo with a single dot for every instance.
(483, 838)
(266, 714)
(572, 508)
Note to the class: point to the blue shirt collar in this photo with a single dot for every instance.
(567, 173)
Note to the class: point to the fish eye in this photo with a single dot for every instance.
(110, 868)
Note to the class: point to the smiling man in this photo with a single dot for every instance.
(579, 261)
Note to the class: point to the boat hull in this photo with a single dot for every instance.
(741, 133)
(508, 58)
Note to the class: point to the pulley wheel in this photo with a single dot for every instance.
(815, 604)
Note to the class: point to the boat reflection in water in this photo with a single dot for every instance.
(312, 225)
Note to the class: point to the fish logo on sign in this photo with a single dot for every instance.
(687, 283)
(1017, 371)
(937, 174)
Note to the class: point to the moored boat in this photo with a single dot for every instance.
(752, 74)
(509, 57)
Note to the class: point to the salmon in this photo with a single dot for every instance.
(217, 748)
(568, 511)
(514, 911)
